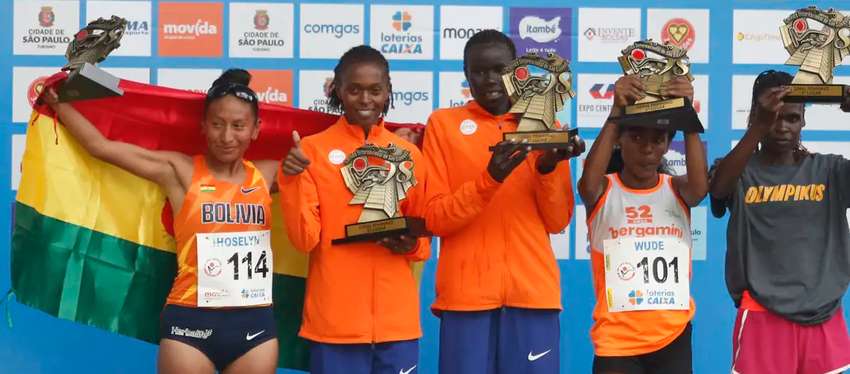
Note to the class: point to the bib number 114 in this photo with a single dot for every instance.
(248, 262)
(659, 269)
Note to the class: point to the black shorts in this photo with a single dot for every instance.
(675, 358)
(223, 335)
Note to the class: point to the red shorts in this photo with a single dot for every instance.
(766, 343)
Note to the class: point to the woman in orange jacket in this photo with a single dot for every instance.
(361, 311)
(498, 285)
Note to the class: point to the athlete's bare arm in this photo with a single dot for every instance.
(170, 170)
(732, 166)
(593, 183)
(269, 168)
(693, 187)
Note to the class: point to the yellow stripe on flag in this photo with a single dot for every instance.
(86, 192)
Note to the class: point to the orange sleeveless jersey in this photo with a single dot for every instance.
(213, 206)
(620, 334)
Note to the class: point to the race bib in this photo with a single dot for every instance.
(235, 269)
(649, 273)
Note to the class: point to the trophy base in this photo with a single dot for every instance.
(816, 93)
(672, 115)
(385, 228)
(542, 140)
(88, 83)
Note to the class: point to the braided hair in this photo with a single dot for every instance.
(765, 81)
(354, 56)
(488, 37)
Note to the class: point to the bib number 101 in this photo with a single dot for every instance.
(248, 261)
(659, 269)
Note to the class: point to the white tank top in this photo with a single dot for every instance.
(637, 213)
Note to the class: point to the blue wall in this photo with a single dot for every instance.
(42, 344)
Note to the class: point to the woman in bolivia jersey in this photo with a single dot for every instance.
(222, 211)
(361, 311)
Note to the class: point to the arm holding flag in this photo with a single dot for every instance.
(161, 167)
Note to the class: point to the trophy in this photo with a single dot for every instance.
(536, 99)
(379, 178)
(817, 41)
(91, 46)
(656, 64)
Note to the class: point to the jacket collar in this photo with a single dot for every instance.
(473, 106)
(356, 131)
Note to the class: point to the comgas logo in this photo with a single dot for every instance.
(409, 97)
(338, 31)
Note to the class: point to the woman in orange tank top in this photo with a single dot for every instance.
(219, 318)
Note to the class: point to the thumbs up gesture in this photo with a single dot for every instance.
(295, 161)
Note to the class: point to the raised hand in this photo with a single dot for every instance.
(627, 90)
(767, 107)
(679, 87)
(295, 162)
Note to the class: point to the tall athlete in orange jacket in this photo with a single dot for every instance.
(498, 285)
(362, 305)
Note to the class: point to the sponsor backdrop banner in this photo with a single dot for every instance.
(291, 50)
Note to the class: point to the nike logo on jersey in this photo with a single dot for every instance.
(250, 337)
(533, 357)
(407, 371)
(249, 190)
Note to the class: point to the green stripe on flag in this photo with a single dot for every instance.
(85, 276)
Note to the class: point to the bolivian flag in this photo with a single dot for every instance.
(94, 244)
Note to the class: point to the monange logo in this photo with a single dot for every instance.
(188, 31)
(338, 31)
(401, 42)
(453, 33)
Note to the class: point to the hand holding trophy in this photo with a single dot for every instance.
(817, 41)
(664, 105)
(90, 46)
(379, 178)
(536, 100)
